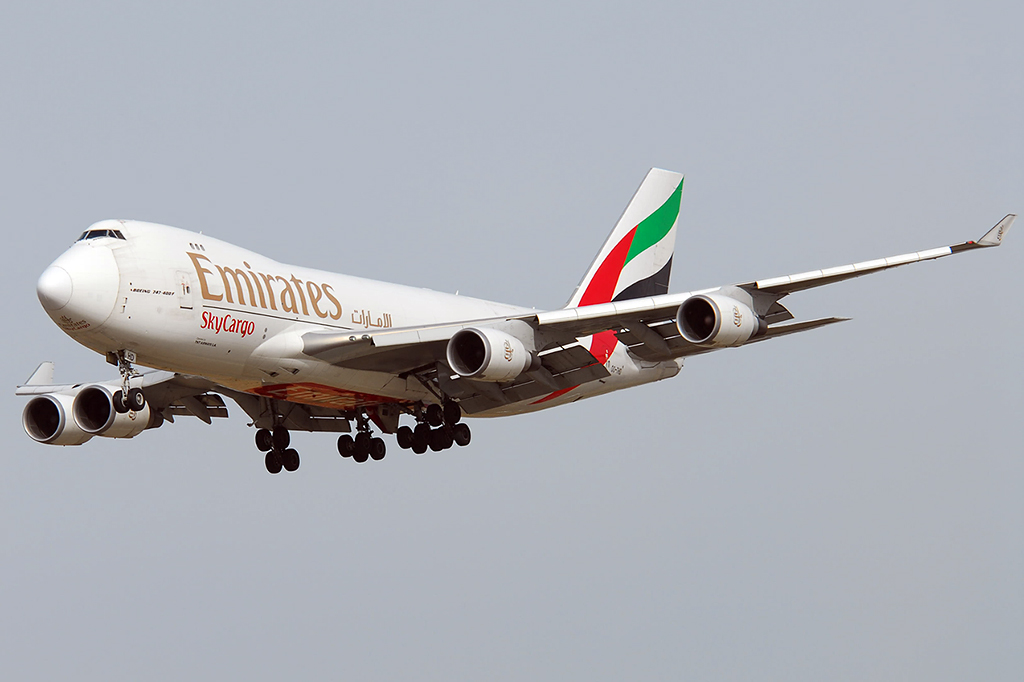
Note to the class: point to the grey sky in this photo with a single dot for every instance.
(843, 504)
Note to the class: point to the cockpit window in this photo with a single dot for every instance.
(94, 234)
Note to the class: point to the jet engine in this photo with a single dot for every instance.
(95, 414)
(487, 354)
(717, 321)
(47, 419)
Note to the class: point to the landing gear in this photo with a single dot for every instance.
(364, 446)
(275, 444)
(127, 399)
(438, 427)
(448, 429)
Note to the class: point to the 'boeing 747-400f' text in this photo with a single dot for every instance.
(301, 349)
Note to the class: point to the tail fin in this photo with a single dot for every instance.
(636, 259)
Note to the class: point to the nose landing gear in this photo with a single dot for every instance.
(127, 399)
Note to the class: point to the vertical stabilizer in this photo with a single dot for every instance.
(636, 259)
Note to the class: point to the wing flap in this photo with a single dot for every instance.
(567, 366)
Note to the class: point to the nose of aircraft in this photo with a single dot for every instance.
(54, 288)
(80, 288)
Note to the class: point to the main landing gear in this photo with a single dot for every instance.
(275, 444)
(364, 446)
(438, 428)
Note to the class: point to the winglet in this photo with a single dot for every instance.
(43, 376)
(994, 237)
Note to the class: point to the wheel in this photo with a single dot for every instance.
(281, 438)
(404, 435)
(435, 415)
(290, 460)
(445, 439)
(378, 449)
(461, 435)
(419, 444)
(264, 441)
(346, 446)
(136, 401)
(422, 431)
(437, 440)
(452, 413)
(362, 447)
(120, 406)
(273, 462)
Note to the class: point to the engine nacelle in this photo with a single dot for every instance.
(487, 354)
(47, 419)
(717, 321)
(95, 414)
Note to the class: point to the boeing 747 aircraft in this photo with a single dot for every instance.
(302, 349)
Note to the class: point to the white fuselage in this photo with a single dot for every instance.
(191, 304)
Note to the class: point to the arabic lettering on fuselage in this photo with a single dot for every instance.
(365, 319)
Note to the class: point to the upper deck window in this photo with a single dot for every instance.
(94, 234)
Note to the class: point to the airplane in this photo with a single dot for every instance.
(306, 350)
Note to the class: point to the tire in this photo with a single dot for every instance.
(362, 447)
(290, 460)
(435, 414)
(422, 431)
(273, 462)
(419, 445)
(445, 439)
(452, 413)
(346, 446)
(378, 449)
(264, 441)
(461, 435)
(136, 400)
(120, 406)
(437, 440)
(282, 439)
(404, 436)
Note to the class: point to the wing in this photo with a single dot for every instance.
(645, 325)
(170, 394)
(648, 325)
